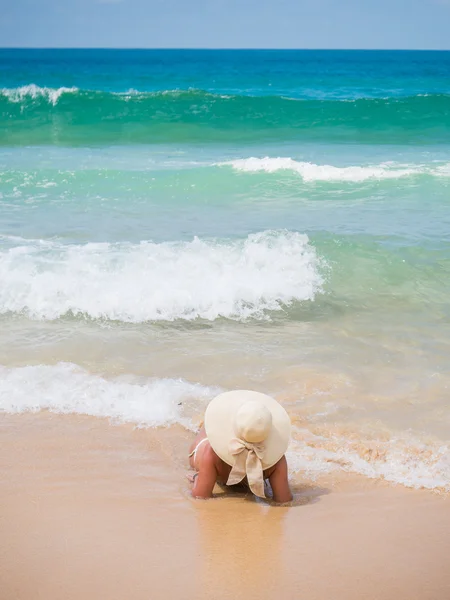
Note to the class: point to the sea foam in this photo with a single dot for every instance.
(401, 459)
(312, 172)
(207, 279)
(67, 388)
(33, 91)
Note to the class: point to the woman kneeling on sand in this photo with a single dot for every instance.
(244, 439)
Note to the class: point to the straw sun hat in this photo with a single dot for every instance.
(250, 432)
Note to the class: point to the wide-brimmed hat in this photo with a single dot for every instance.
(249, 431)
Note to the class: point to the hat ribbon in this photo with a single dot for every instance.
(247, 463)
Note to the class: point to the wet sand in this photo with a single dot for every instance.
(90, 511)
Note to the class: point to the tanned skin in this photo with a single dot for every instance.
(211, 469)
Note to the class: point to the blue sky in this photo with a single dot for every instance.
(226, 23)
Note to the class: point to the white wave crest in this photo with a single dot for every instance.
(312, 172)
(153, 282)
(34, 91)
(69, 389)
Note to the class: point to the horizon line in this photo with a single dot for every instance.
(252, 49)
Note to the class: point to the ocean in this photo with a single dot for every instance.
(175, 223)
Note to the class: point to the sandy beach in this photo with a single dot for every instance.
(90, 510)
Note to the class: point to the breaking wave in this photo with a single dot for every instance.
(200, 279)
(312, 172)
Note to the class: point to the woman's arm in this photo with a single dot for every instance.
(207, 475)
(279, 482)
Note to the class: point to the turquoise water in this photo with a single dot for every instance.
(201, 220)
(86, 97)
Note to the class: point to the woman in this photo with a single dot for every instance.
(245, 437)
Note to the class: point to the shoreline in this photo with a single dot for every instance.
(94, 511)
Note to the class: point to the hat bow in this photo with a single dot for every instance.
(248, 462)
